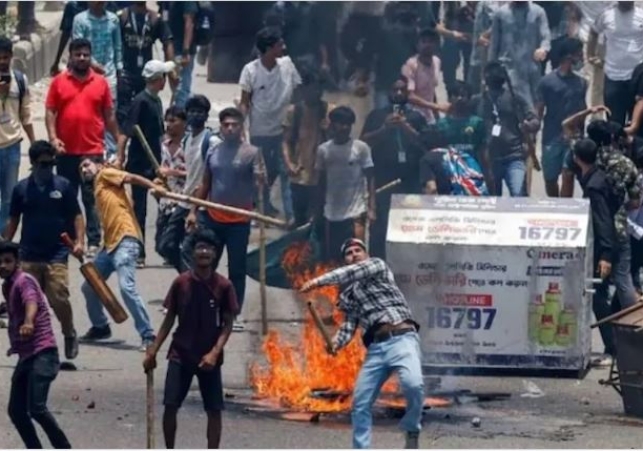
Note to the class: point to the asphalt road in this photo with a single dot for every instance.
(102, 404)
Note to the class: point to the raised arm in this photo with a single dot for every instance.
(347, 274)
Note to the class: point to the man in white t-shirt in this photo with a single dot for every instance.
(194, 150)
(267, 85)
(622, 26)
(346, 184)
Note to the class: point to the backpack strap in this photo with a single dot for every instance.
(205, 144)
(22, 85)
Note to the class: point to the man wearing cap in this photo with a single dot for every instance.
(371, 299)
(146, 112)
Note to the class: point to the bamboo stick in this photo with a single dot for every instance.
(262, 268)
(320, 327)
(228, 209)
(618, 315)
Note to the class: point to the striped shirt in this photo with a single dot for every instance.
(369, 297)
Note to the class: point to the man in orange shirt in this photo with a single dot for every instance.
(79, 109)
(121, 249)
(232, 169)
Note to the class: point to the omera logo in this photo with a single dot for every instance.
(553, 255)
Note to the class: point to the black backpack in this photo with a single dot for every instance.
(204, 24)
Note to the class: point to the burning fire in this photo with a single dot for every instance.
(294, 371)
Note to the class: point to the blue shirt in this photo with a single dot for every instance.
(104, 33)
(563, 96)
(46, 213)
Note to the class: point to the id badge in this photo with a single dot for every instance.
(139, 61)
(401, 156)
(495, 130)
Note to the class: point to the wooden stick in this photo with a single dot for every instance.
(262, 268)
(320, 326)
(148, 150)
(150, 409)
(618, 315)
(226, 208)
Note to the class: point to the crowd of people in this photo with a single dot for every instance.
(526, 69)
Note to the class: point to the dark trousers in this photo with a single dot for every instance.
(624, 294)
(377, 232)
(452, 53)
(26, 17)
(234, 237)
(128, 87)
(619, 99)
(170, 237)
(28, 399)
(302, 202)
(637, 261)
(68, 167)
(139, 198)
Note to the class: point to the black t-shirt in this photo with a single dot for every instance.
(146, 112)
(139, 32)
(397, 44)
(46, 213)
(388, 162)
(175, 13)
(432, 170)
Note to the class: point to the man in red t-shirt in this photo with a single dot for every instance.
(79, 110)
(205, 304)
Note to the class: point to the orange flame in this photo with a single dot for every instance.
(294, 371)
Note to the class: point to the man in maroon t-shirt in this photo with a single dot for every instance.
(206, 305)
(32, 338)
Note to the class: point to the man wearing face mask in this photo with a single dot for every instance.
(621, 24)
(393, 134)
(196, 143)
(562, 94)
(507, 116)
(48, 207)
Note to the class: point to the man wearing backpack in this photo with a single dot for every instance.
(140, 29)
(15, 114)
(173, 245)
(305, 129)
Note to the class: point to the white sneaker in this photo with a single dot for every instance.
(237, 326)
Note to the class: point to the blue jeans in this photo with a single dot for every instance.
(184, 88)
(270, 147)
(234, 237)
(513, 173)
(123, 261)
(401, 354)
(110, 140)
(9, 167)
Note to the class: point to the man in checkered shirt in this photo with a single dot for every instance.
(371, 299)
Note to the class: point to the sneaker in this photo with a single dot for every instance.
(97, 333)
(412, 440)
(237, 326)
(91, 252)
(602, 361)
(140, 263)
(146, 343)
(71, 347)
